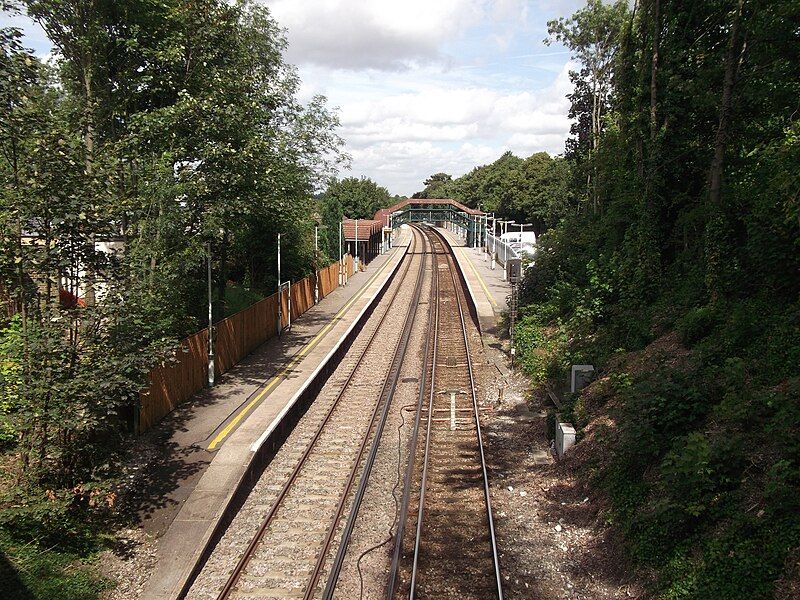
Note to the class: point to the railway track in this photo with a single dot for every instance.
(451, 537)
(454, 552)
(287, 555)
(443, 533)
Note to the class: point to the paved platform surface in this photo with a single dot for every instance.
(486, 286)
(212, 438)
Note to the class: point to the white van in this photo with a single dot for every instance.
(526, 238)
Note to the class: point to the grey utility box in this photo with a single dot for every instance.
(514, 270)
(580, 377)
(565, 438)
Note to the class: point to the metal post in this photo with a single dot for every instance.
(280, 311)
(391, 230)
(210, 326)
(316, 266)
(342, 280)
(355, 263)
(494, 241)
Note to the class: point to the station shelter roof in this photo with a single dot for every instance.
(366, 228)
(383, 214)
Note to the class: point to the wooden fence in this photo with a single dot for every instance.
(174, 382)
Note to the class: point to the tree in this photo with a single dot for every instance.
(358, 198)
(593, 36)
(438, 185)
(162, 131)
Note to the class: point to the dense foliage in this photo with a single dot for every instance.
(158, 134)
(351, 198)
(678, 278)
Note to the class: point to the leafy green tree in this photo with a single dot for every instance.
(438, 185)
(593, 35)
(694, 237)
(359, 198)
(164, 132)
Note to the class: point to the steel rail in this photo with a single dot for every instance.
(390, 386)
(486, 491)
(433, 309)
(233, 579)
(385, 399)
(490, 519)
(424, 481)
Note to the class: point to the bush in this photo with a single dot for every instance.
(697, 324)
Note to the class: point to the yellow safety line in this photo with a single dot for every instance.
(300, 353)
(480, 279)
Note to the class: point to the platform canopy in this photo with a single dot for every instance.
(434, 210)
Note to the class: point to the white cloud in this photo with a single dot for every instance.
(428, 86)
(399, 139)
(378, 34)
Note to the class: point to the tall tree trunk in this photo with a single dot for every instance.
(717, 251)
(89, 143)
(654, 71)
(652, 154)
(721, 139)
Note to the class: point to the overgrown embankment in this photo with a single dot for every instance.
(691, 431)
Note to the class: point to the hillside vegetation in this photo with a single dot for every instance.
(676, 272)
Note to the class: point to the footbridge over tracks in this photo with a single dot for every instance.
(472, 222)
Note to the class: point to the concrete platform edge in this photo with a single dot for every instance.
(473, 306)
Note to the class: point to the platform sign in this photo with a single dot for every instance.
(514, 270)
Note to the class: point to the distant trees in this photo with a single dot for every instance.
(360, 198)
(351, 197)
(438, 185)
(536, 189)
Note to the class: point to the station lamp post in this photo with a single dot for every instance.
(317, 227)
(210, 325)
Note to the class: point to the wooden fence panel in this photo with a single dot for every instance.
(173, 383)
(284, 300)
(237, 336)
(302, 296)
(328, 279)
(348, 263)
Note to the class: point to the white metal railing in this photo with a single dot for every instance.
(504, 251)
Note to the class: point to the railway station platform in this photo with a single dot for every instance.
(217, 437)
(486, 286)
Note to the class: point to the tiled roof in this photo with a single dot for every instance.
(365, 228)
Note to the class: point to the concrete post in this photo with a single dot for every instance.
(580, 377)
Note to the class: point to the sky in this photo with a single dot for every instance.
(424, 86)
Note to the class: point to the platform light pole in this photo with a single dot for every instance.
(494, 241)
(210, 324)
(342, 270)
(280, 311)
(486, 236)
(356, 257)
(316, 261)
